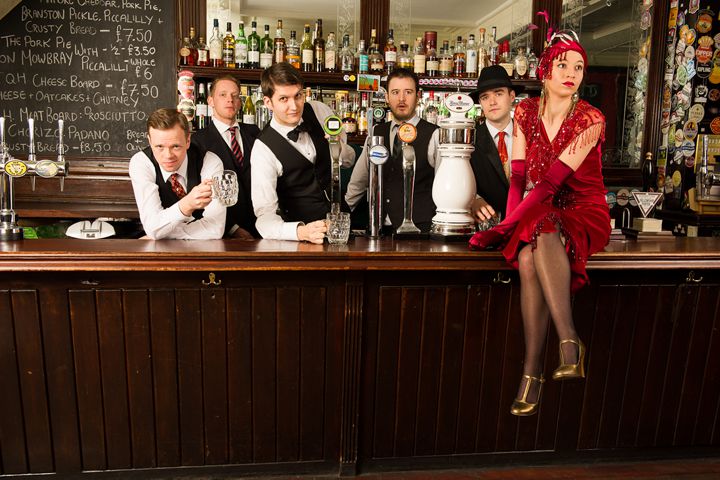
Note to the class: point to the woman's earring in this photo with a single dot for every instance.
(542, 101)
(575, 98)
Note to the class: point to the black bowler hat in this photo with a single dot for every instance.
(492, 77)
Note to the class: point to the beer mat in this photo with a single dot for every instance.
(633, 234)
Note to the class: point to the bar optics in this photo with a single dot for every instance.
(12, 168)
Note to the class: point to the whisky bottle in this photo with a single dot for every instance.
(185, 53)
(390, 53)
(375, 58)
(347, 59)
(319, 47)
(419, 57)
(228, 50)
(203, 53)
(331, 53)
(471, 57)
(193, 47)
(253, 46)
(216, 45)
(201, 108)
(293, 51)
(483, 52)
(446, 60)
(307, 52)
(432, 63)
(241, 47)
(404, 59)
(280, 50)
(363, 59)
(266, 49)
(459, 58)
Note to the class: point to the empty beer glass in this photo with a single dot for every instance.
(225, 187)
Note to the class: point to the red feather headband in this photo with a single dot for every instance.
(558, 43)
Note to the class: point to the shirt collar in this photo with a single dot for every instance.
(282, 129)
(181, 171)
(494, 131)
(223, 127)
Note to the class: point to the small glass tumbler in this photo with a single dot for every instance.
(338, 228)
(225, 187)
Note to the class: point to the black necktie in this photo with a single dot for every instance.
(295, 132)
(397, 144)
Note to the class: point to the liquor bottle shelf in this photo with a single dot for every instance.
(346, 80)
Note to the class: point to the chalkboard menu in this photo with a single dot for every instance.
(101, 65)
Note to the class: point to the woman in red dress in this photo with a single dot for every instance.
(556, 211)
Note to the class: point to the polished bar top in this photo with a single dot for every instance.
(359, 254)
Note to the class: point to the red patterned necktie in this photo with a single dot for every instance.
(176, 186)
(502, 148)
(235, 146)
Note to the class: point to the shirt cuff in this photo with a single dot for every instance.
(289, 230)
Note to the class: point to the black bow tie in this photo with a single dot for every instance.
(295, 132)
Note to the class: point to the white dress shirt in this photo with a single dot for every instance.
(160, 222)
(223, 129)
(359, 179)
(266, 168)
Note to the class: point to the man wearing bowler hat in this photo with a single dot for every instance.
(493, 142)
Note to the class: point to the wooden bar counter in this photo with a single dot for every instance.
(143, 359)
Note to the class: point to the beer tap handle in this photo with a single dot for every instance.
(62, 184)
(31, 139)
(3, 149)
(61, 143)
(32, 183)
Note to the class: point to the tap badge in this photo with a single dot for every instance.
(15, 168)
(46, 169)
(407, 132)
(333, 126)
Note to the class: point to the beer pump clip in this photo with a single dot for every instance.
(407, 133)
(12, 168)
(333, 128)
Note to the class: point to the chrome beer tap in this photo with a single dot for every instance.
(377, 155)
(333, 129)
(15, 168)
(408, 133)
(705, 178)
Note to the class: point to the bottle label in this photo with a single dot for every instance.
(521, 66)
(215, 52)
(307, 56)
(279, 55)
(446, 65)
(363, 64)
(433, 65)
(294, 60)
(390, 56)
(202, 56)
(266, 60)
(350, 126)
(184, 52)
(330, 59)
(419, 63)
(241, 53)
(228, 55)
(201, 110)
(248, 119)
(471, 61)
(347, 63)
(253, 56)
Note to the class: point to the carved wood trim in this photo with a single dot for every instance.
(352, 350)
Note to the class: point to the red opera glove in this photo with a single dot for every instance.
(545, 189)
(517, 185)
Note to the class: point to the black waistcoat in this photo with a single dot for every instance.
(302, 188)
(423, 205)
(194, 166)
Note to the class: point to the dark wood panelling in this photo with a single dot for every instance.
(12, 431)
(346, 343)
(374, 14)
(240, 368)
(289, 311)
(264, 363)
(510, 366)
(710, 397)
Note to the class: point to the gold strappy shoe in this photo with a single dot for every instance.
(523, 408)
(571, 370)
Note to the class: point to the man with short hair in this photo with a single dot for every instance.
(493, 142)
(232, 142)
(172, 182)
(402, 97)
(291, 171)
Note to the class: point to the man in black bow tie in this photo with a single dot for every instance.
(291, 161)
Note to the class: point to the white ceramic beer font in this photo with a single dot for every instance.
(333, 128)
(407, 133)
(454, 183)
(12, 168)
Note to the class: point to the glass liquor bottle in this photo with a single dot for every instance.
(419, 57)
(431, 110)
(521, 64)
(347, 59)
(331, 53)
(505, 58)
(363, 59)
(459, 58)
(241, 47)
(375, 58)
(532, 64)
(483, 57)
(216, 45)
(266, 49)
(362, 120)
(446, 60)
(319, 47)
(228, 50)
(201, 108)
(404, 59)
(253, 46)
(493, 52)
(306, 51)
(279, 48)
(390, 53)
(293, 51)
(471, 57)
(185, 53)
(193, 47)
(249, 110)
(203, 53)
(432, 63)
